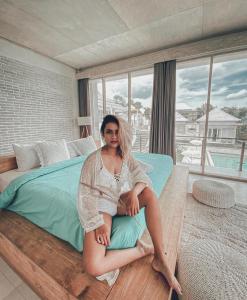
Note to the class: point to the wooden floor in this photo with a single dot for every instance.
(53, 269)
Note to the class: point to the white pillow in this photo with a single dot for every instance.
(147, 168)
(52, 152)
(26, 156)
(73, 151)
(85, 146)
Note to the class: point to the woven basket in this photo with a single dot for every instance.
(213, 193)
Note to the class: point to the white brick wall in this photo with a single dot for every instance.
(35, 104)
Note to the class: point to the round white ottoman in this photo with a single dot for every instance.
(213, 193)
(209, 270)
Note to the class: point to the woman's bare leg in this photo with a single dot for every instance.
(97, 260)
(148, 199)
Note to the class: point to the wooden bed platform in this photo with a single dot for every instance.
(53, 268)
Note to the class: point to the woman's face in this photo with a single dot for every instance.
(111, 135)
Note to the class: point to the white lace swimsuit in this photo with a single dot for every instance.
(119, 183)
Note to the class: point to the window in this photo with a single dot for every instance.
(117, 95)
(141, 104)
(225, 110)
(191, 99)
(96, 102)
(228, 112)
(134, 107)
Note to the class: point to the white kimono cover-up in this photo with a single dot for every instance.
(99, 191)
(98, 185)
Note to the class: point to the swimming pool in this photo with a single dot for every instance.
(230, 161)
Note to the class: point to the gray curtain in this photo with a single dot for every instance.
(162, 131)
(84, 104)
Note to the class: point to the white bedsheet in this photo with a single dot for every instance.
(7, 177)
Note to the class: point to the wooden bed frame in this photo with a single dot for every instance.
(53, 268)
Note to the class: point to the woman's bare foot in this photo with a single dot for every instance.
(146, 249)
(160, 266)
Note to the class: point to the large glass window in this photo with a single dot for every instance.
(191, 102)
(117, 95)
(113, 95)
(141, 104)
(96, 102)
(223, 112)
(227, 128)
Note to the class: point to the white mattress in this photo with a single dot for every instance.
(7, 177)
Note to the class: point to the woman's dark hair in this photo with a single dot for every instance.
(108, 119)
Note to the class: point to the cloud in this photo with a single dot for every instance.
(230, 78)
(142, 87)
(143, 92)
(228, 83)
(240, 94)
(184, 93)
(220, 91)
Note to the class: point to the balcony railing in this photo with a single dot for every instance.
(140, 140)
(229, 148)
(222, 155)
(218, 148)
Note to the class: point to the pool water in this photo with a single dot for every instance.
(230, 161)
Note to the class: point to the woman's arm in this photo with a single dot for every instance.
(140, 181)
(139, 187)
(88, 213)
(137, 173)
(131, 200)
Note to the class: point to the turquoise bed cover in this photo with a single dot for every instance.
(47, 197)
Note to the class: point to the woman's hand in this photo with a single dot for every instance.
(102, 235)
(132, 203)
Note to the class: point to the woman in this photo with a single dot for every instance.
(110, 176)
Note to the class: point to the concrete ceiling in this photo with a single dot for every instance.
(83, 33)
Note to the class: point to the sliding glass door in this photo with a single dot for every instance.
(227, 118)
(211, 114)
(191, 103)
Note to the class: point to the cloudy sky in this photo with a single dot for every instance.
(229, 84)
(142, 87)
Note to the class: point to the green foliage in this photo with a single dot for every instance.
(240, 113)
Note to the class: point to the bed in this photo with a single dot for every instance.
(43, 204)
